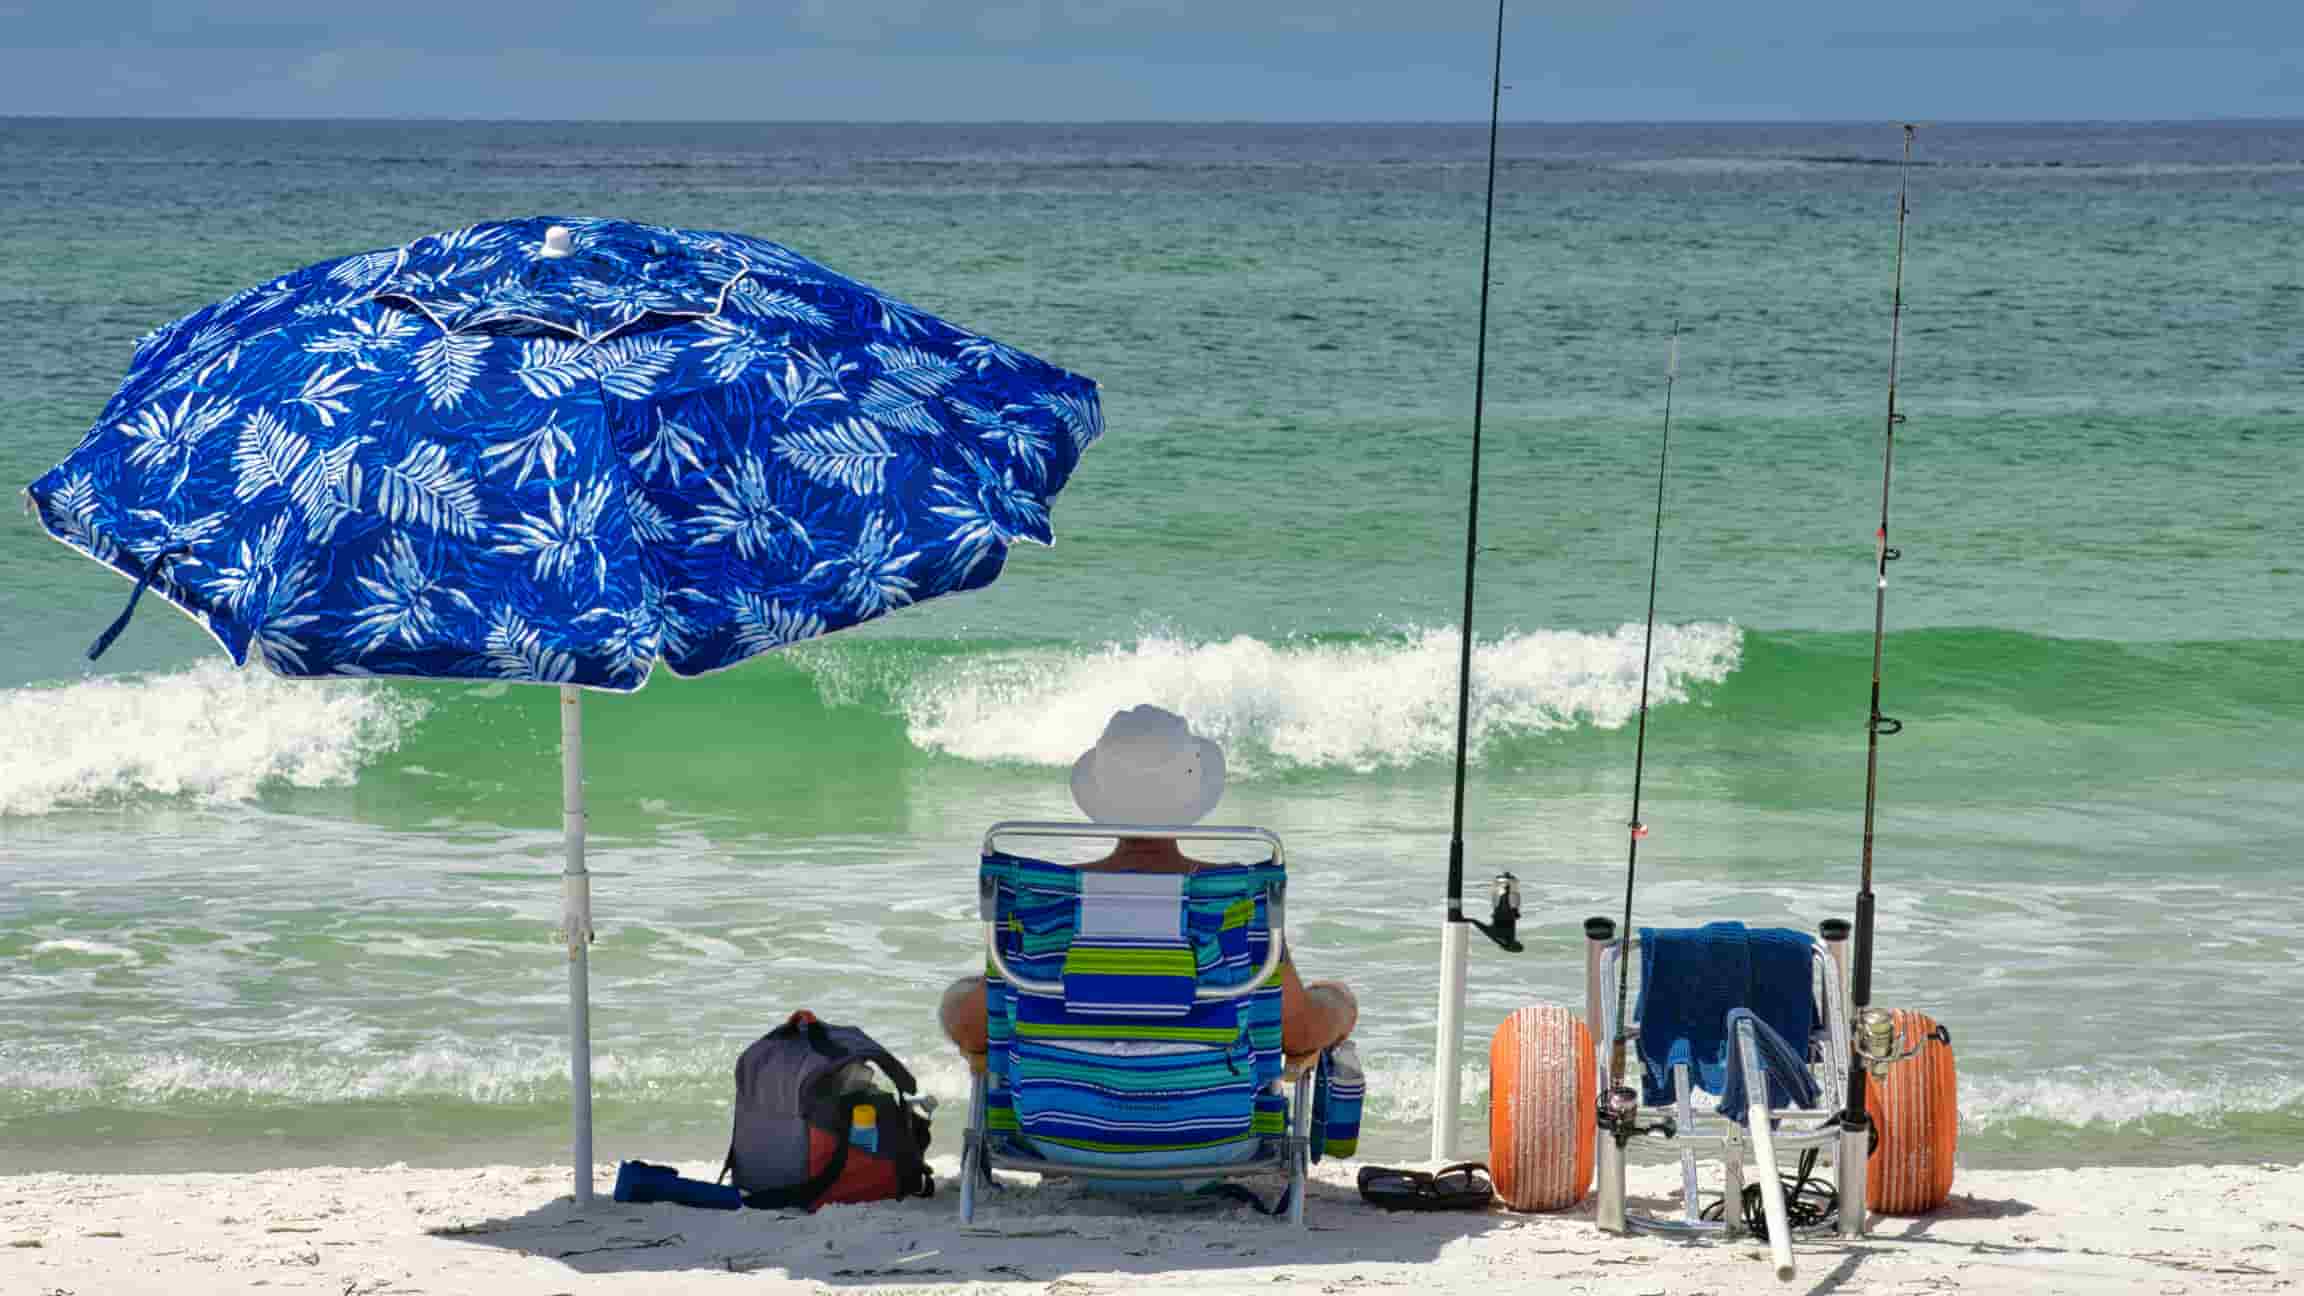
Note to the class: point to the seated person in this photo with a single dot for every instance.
(1149, 768)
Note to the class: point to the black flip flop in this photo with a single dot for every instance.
(1463, 1186)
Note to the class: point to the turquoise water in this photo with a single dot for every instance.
(250, 922)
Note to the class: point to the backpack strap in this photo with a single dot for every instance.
(851, 1042)
(916, 1122)
(846, 1043)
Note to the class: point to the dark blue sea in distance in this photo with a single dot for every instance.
(245, 922)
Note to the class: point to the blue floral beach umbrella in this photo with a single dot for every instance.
(555, 451)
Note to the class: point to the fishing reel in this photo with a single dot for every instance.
(1619, 1117)
(1503, 922)
(1877, 1045)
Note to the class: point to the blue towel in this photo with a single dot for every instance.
(638, 1181)
(1692, 977)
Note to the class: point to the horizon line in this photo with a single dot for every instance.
(444, 120)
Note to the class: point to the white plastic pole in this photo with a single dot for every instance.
(1759, 1120)
(1447, 1054)
(576, 929)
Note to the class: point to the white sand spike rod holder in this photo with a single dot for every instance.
(1447, 1052)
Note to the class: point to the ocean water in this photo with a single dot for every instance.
(250, 922)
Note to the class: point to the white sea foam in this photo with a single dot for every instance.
(510, 1073)
(87, 949)
(1362, 706)
(2123, 1101)
(208, 731)
(1399, 1104)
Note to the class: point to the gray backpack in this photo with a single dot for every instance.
(797, 1140)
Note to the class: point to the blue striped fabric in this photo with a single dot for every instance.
(1128, 956)
(1098, 981)
(1336, 1100)
(1089, 1088)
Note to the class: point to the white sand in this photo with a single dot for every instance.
(512, 1232)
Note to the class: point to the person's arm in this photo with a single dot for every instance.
(962, 1015)
(1313, 1017)
(1298, 1033)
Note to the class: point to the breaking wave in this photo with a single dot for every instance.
(208, 731)
(1361, 704)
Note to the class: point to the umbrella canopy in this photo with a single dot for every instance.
(555, 451)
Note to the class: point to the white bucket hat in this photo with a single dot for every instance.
(1148, 768)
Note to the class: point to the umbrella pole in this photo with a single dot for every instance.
(576, 929)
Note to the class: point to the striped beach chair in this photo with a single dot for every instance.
(1134, 1024)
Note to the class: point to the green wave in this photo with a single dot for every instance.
(837, 724)
(1801, 678)
(839, 714)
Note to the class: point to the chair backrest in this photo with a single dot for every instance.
(1690, 977)
(1122, 1059)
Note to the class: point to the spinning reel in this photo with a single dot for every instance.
(1877, 1044)
(1503, 922)
(1620, 1117)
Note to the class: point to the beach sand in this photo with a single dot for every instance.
(511, 1231)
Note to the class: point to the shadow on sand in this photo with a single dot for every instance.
(1888, 1233)
(1047, 1231)
(1025, 1232)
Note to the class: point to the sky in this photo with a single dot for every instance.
(1175, 60)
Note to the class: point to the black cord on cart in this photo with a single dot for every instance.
(1810, 1201)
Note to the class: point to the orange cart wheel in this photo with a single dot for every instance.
(1540, 1107)
(1917, 1110)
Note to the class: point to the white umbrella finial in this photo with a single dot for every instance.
(558, 242)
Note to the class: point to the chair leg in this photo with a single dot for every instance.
(972, 1147)
(1684, 1103)
(968, 1178)
(1300, 1148)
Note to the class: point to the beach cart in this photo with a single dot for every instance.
(1759, 1020)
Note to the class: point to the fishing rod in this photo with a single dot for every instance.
(1505, 911)
(1874, 1044)
(1639, 829)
